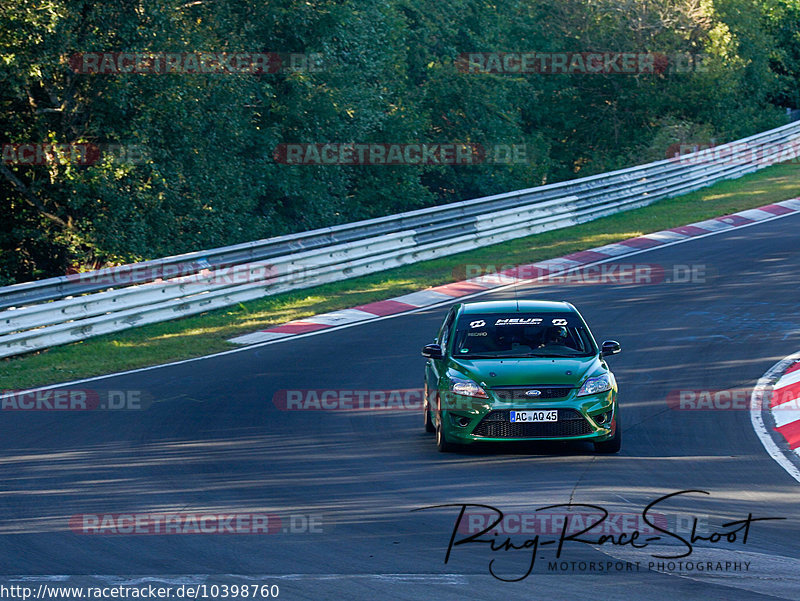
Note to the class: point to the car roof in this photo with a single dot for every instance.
(518, 306)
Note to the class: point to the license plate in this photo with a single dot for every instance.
(550, 415)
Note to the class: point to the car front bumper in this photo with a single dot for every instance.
(466, 420)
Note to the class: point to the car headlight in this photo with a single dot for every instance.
(595, 385)
(467, 388)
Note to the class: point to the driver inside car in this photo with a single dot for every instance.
(556, 339)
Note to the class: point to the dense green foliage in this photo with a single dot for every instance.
(389, 74)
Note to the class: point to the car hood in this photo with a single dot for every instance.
(528, 371)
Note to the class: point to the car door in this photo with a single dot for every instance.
(436, 369)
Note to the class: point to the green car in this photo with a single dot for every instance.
(519, 370)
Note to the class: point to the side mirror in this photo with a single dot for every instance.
(432, 351)
(610, 347)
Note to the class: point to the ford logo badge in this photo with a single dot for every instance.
(533, 393)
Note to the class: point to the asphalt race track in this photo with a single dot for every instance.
(214, 441)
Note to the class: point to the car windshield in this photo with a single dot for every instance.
(502, 335)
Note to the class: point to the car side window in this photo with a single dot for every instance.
(444, 335)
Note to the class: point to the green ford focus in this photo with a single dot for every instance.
(519, 370)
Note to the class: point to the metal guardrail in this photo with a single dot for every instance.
(59, 310)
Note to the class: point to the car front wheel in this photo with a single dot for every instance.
(426, 409)
(442, 443)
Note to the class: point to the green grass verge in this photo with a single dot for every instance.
(208, 332)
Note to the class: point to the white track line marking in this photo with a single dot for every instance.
(788, 380)
(786, 414)
(763, 385)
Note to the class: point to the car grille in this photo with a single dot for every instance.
(517, 393)
(497, 425)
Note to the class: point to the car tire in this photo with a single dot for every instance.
(442, 443)
(426, 409)
(429, 427)
(612, 445)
